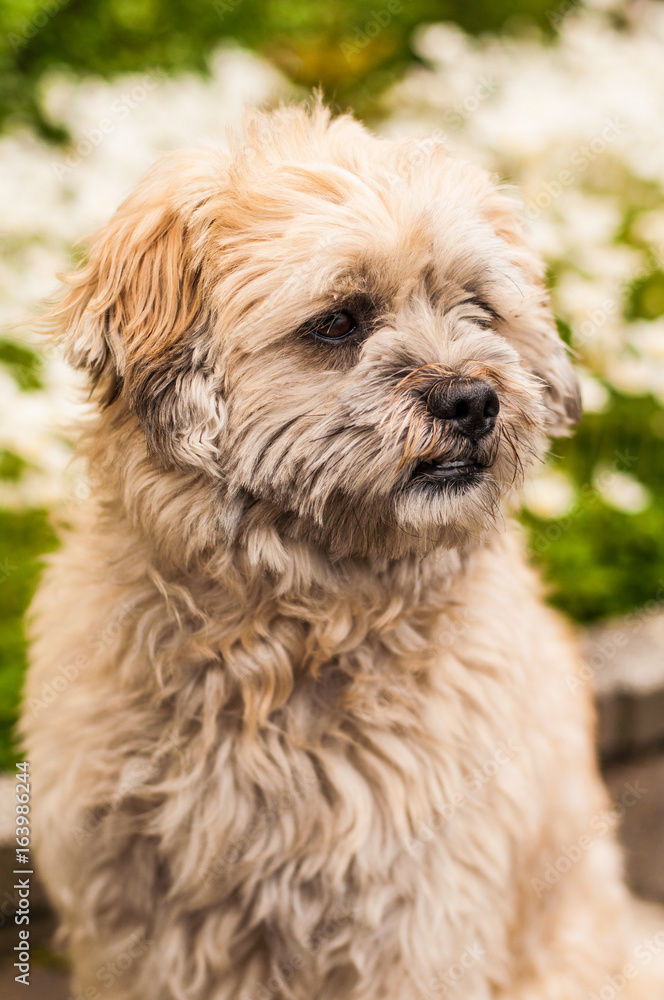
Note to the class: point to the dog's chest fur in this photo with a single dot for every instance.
(380, 736)
(373, 793)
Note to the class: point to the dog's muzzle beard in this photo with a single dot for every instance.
(457, 418)
(398, 460)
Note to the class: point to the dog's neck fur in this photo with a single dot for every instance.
(186, 536)
(278, 612)
(256, 597)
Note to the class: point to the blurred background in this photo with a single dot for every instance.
(563, 100)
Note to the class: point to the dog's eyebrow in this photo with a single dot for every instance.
(461, 292)
(360, 296)
(475, 299)
(377, 286)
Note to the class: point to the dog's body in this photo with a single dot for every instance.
(310, 731)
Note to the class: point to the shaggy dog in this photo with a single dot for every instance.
(310, 732)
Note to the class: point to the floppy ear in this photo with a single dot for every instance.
(531, 326)
(136, 318)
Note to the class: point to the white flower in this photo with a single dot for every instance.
(549, 494)
(621, 490)
(594, 396)
(649, 226)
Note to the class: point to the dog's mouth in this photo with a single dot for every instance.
(443, 471)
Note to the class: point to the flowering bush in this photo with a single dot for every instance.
(51, 197)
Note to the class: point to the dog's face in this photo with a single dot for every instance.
(344, 338)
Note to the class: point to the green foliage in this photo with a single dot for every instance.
(352, 47)
(23, 364)
(600, 561)
(647, 297)
(12, 466)
(24, 537)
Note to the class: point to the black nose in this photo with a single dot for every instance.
(470, 404)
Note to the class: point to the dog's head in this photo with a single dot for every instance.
(342, 337)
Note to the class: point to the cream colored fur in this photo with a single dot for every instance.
(297, 728)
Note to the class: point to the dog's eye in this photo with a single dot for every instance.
(337, 327)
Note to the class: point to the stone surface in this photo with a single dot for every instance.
(642, 831)
(627, 654)
(625, 665)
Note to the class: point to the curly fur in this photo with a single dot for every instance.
(310, 731)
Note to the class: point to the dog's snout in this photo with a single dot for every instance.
(470, 404)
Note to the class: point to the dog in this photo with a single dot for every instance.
(310, 730)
